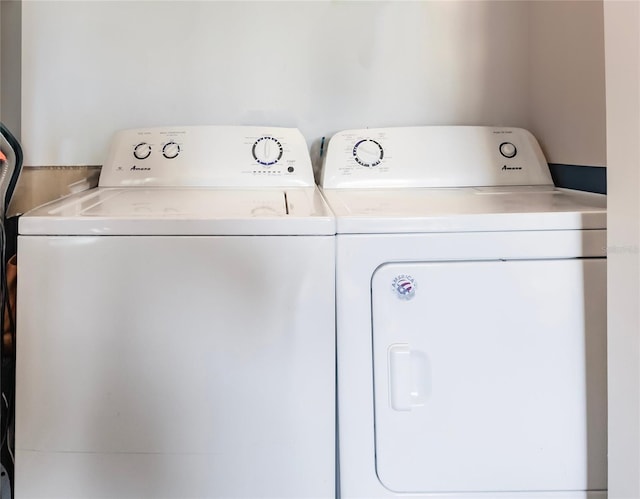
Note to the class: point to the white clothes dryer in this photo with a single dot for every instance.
(176, 324)
(471, 318)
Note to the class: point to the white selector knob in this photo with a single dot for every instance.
(267, 151)
(142, 151)
(368, 152)
(171, 150)
(508, 150)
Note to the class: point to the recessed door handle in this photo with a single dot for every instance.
(409, 377)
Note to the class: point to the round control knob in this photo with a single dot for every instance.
(267, 151)
(142, 151)
(171, 150)
(368, 152)
(508, 150)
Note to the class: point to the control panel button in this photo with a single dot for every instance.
(368, 152)
(267, 151)
(508, 150)
(142, 151)
(171, 150)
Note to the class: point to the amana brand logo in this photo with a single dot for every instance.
(404, 286)
(135, 168)
(505, 167)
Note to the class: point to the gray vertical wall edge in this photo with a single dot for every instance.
(11, 65)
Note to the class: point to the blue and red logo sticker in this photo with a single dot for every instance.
(404, 286)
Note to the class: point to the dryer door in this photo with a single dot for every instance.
(490, 376)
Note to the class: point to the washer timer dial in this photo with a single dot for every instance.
(142, 151)
(368, 152)
(171, 150)
(267, 151)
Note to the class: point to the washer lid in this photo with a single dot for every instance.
(183, 211)
(469, 209)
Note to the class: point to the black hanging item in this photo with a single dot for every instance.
(10, 173)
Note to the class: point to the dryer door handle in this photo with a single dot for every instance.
(409, 377)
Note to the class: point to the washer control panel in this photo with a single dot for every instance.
(208, 156)
(434, 156)
(368, 152)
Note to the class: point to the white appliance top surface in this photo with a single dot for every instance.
(465, 209)
(449, 179)
(195, 180)
(183, 211)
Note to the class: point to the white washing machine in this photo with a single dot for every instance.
(176, 333)
(471, 318)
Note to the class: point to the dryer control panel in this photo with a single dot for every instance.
(434, 156)
(208, 156)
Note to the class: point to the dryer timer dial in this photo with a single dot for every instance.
(508, 150)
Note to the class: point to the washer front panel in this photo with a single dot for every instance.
(175, 367)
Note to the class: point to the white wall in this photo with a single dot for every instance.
(567, 83)
(622, 32)
(91, 67)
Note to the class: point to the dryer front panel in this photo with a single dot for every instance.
(490, 375)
